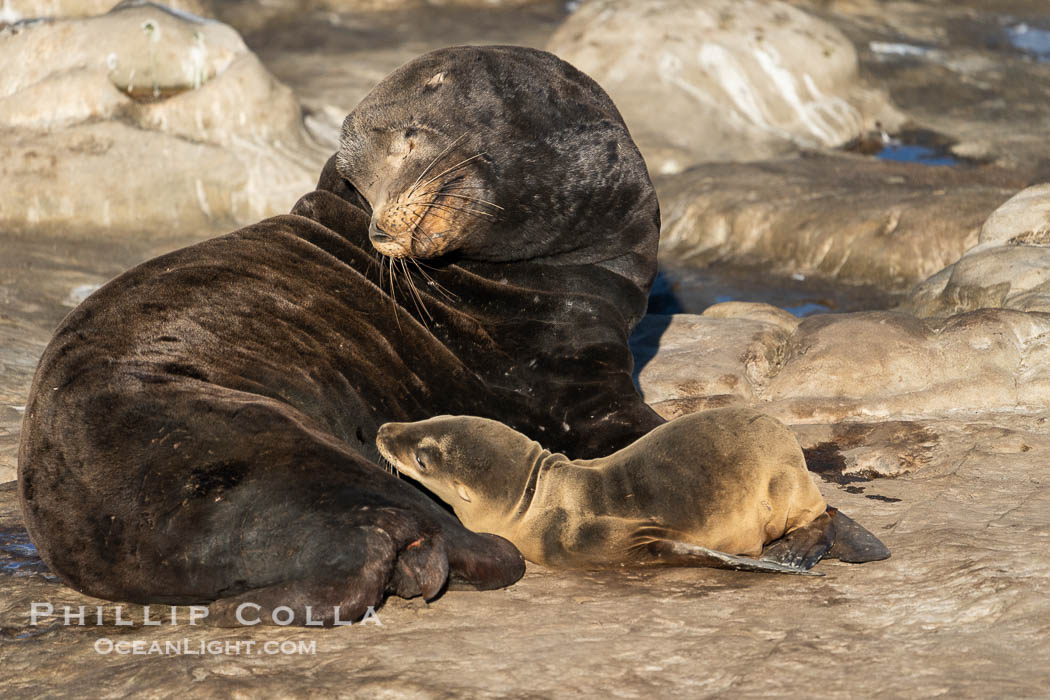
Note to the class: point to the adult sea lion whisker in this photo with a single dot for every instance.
(442, 193)
(433, 283)
(452, 207)
(452, 186)
(479, 200)
(436, 159)
(460, 164)
(417, 299)
(393, 293)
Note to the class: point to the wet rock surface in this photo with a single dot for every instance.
(847, 218)
(971, 82)
(932, 432)
(973, 70)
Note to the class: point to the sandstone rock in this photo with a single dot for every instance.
(736, 360)
(171, 123)
(833, 368)
(962, 68)
(853, 219)
(722, 79)
(1009, 267)
(15, 10)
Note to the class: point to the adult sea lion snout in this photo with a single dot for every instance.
(429, 190)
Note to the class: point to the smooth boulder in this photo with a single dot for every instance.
(1009, 268)
(145, 119)
(845, 367)
(717, 80)
(847, 218)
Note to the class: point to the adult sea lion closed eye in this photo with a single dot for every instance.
(696, 491)
(202, 428)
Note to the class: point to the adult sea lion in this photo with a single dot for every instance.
(202, 428)
(697, 491)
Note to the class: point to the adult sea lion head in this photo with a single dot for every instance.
(478, 466)
(498, 153)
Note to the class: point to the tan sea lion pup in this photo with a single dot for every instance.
(697, 491)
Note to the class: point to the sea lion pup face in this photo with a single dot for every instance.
(476, 465)
(498, 153)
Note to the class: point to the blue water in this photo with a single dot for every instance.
(1031, 40)
(803, 309)
(18, 556)
(913, 153)
(691, 290)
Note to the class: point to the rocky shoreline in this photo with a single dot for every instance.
(928, 421)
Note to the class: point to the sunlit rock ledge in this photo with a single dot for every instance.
(145, 120)
(717, 80)
(1009, 267)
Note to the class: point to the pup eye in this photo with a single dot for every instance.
(419, 461)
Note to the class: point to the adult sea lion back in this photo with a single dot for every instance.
(203, 427)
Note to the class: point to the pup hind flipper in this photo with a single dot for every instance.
(830, 536)
(677, 553)
(804, 547)
(853, 543)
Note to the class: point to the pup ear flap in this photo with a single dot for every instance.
(462, 491)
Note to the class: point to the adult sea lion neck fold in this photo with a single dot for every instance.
(544, 345)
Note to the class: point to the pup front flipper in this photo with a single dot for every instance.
(677, 553)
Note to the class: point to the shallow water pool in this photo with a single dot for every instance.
(691, 290)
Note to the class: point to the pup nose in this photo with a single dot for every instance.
(387, 432)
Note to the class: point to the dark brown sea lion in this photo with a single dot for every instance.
(202, 428)
(697, 491)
